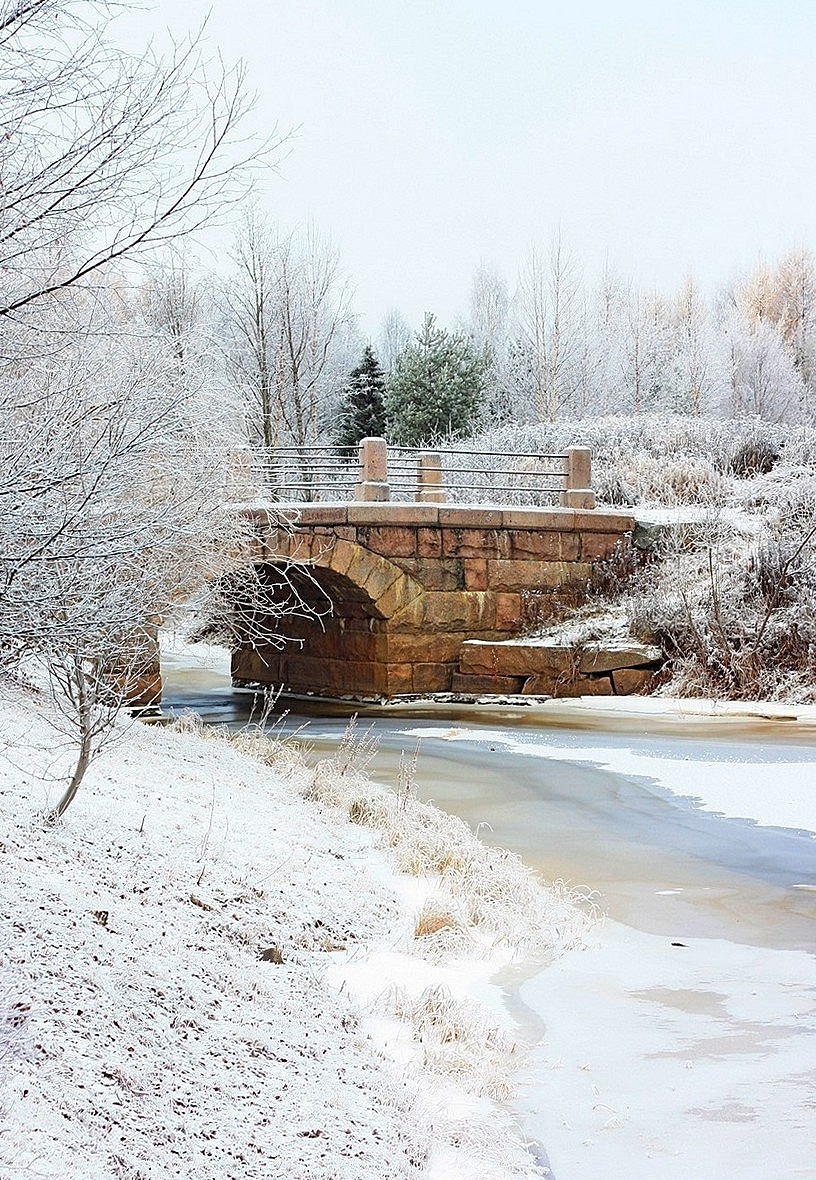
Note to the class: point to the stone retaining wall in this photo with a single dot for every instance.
(542, 668)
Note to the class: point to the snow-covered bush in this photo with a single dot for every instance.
(736, 618)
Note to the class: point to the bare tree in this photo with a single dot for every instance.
(114, 472)
(488, 327)
(174, 305)
(547, 345)
(395, 336)
(693, 359)
(291, 329)
(104, 154)
(114, 509)
(762, 376)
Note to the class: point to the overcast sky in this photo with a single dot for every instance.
(664, 136)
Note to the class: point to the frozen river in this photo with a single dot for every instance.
(682, 1041)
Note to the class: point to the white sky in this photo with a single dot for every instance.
(662, 135)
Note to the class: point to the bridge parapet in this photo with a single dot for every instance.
(381, 472)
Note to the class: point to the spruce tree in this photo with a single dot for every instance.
(362, 408)
(435, 388)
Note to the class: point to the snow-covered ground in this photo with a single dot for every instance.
(205, 974)
(207, 971)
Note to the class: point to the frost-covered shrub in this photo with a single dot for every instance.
(650, 460)
(755, 455)
(736, 620)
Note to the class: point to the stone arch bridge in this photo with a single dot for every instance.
(410, 584)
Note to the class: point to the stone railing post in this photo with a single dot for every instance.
(578, 491)
(430, 485)
(373, 483)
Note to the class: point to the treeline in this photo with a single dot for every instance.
(554, 346)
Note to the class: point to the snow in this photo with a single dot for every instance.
(674, 1060)
(204, 974)
(778, 792)
(146, 1030)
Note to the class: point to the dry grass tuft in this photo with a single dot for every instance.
(460, 1040)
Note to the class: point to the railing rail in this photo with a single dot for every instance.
(455, 475)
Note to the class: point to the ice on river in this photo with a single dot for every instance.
(758, 782)
(665, 1055)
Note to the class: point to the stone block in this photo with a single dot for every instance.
(631, 681)
(556, 519)
(544, 545)
(432, 677)
(598, 545)
(274, 543)
(462, 610)
(388, 540)
(478, 543)
(475, 573)
(595, 659)
(399, 680)
(471, 518)
(598, 521)
(423, 648)
(392, 514)
(308, 547)
(349, 644)
(398, 597)
(341, 556)
(332, 677)
(533, 575)
(379, 580)
(509, 612)
(326, 514)
(541, 684)
(479, 685)
(515, 658)
(429, 542)
(360, 566)
(256, 664)
(433, 574)
(345, 531)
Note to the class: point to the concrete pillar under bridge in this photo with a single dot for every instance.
(408, 584)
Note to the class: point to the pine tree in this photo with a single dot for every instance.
(435, 388)
(362, 408)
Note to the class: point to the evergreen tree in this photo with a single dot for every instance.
(362, 408)
(435, 388)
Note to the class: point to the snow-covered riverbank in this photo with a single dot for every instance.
(204, 974)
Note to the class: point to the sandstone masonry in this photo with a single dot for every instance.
(410, 585)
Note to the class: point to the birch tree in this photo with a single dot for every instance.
(546, 347)
(291, 329)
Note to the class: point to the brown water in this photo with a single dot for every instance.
(656, 862)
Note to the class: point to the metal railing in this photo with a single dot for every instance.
(293, 474)
(379, 472)
(485, 477)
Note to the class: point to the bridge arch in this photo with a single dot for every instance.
(337, 599)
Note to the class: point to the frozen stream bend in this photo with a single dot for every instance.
(652, 1058)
